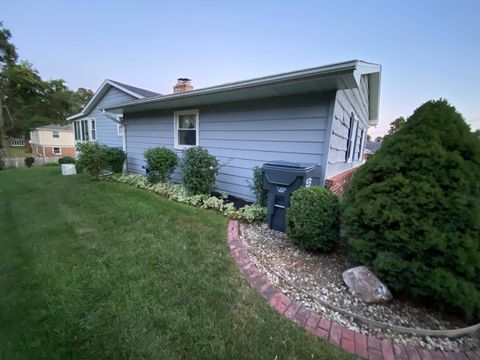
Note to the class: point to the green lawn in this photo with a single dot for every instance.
(95, 270)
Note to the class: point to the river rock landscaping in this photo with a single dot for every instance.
(293, 270)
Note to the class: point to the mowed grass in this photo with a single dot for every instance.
(95, 270)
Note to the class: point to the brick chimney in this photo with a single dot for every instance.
(182, 85)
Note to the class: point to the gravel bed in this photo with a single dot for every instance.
(321, 275)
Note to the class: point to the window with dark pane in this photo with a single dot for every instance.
(187, 132)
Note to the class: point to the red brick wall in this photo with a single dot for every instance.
(65, 151)
(338, 184)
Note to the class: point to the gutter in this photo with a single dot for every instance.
(115, 118)
(326, 71)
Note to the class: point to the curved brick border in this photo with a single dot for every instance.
(356, 343)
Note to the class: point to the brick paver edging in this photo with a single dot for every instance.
(365, 346)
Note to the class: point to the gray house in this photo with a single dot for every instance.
(318, 115)
(93, 124)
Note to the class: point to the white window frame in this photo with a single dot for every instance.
(92, 129)
(361, 145)
(176, 115)
(89, 132)
(350, 151)
(55, 132)
(59, 150)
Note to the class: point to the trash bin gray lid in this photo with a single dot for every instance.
(288, 165)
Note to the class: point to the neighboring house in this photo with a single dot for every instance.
(91, 124)
(371, 147)
(52, 140)
(318, 115)
(17, 141)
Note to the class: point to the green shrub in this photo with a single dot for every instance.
(161, 163)
(412, 212)
(257, 187)
(115, 159)
(29, 161)
(313, 219)
(92, 157)
(199, 170)
(66, 160)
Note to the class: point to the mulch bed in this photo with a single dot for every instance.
(321, 275)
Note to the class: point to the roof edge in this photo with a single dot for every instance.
(104, 87)
(351, 65)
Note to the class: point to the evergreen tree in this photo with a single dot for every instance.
(413, 210)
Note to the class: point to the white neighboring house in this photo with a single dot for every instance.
(94, 124)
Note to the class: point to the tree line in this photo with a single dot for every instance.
(28, 101)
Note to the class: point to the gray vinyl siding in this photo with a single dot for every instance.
(347, 102)
(107, 133)
(241, 135)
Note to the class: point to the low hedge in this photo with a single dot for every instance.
(66, 160)
(178, 193)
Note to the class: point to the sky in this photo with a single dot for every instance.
(427, 49)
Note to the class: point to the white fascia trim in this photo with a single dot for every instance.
(374, 72)
(325, 70)
(99, 93)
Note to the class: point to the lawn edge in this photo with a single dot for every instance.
(364, 346)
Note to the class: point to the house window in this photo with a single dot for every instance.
(355, 141)
(93, 130)
(76, 127)
(56, 151)
(84, 130)
(349, 151)
(186, 129)
(55, 134)
(360, 146)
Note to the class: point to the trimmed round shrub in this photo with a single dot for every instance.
(313, 219)
(412, 212)
(29, 161)
(199, 170)
(66, 160)
(161, 163)
(115, 159)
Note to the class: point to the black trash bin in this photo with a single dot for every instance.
(281, 179)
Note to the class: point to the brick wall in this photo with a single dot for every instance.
(64, 151)
(338, 184)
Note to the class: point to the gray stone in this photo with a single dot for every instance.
(363, 284)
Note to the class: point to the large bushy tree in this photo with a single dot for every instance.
(27, 101)
(413, 210)
(396, 125)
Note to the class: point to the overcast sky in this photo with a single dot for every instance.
(428, 49)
